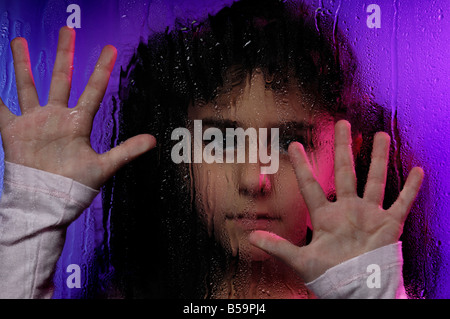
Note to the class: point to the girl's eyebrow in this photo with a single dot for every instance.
(222, 124)
(296, 125)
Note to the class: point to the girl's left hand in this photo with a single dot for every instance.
(351, 225)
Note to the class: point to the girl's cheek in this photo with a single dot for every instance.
(213, 194)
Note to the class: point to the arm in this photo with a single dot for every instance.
(36, 207)
(349, 227)
(358, 278)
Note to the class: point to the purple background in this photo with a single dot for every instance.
(405, 65)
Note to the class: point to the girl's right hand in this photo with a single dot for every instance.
(55, 138)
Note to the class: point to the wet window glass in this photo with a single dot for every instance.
(225, 87)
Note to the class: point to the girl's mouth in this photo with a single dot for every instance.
(253, 221)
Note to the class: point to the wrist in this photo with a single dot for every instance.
(35, 185)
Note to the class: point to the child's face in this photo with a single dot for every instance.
(235, 198)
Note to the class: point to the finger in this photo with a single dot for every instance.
(408, 194)
(5, 115)
(126, 152)
(310, 189)
(98, 82)
(343, 164)
(26, 90)
(376, 180)
(62, 71)
(276, 246)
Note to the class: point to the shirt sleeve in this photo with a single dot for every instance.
(376, 274)
(36, 207)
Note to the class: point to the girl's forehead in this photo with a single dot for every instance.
(253, 103)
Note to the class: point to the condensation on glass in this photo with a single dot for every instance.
(402, 55)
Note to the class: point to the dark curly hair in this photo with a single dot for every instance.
(158, 247)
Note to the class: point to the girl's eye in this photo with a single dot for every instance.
(284, 144)
(222, 144)
(233, 145)
(285, 141)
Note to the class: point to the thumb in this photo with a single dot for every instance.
(278, 247)
(126, 152)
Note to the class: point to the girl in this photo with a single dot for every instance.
(219, 230)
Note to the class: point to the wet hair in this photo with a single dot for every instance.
(158, 247)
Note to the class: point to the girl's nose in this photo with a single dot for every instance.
(253, 182)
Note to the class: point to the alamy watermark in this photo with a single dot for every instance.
(373, 20)
(74, 279)
(232, 150)
(374, 279)
(74, 19)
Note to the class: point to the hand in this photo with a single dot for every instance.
(351, 225)
(56, 138)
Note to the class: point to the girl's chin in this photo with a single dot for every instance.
(256, 254)
(249, 252)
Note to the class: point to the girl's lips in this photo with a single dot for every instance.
(252, 221)
(253, 215)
